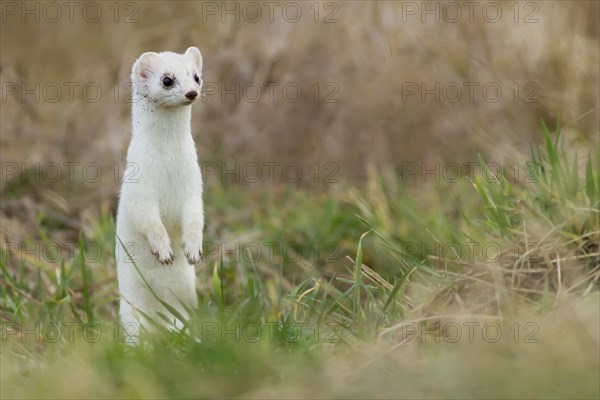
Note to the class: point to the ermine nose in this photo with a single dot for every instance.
(191, 95)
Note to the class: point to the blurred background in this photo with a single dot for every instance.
(332, 87)
(318, 120)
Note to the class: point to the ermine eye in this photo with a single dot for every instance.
(196, 78)
(167, 81)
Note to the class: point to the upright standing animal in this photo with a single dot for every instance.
(160, 216)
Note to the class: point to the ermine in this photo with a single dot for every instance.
(160, 216)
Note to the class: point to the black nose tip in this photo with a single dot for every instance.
(191, 95)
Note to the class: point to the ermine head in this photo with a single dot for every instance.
(168, 79)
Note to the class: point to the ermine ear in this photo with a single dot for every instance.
(145, 64)
(194, 54)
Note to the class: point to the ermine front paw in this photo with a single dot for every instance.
(164, 258)
(192, 250)
(160, 247)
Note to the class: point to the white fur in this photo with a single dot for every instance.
(160, 217)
